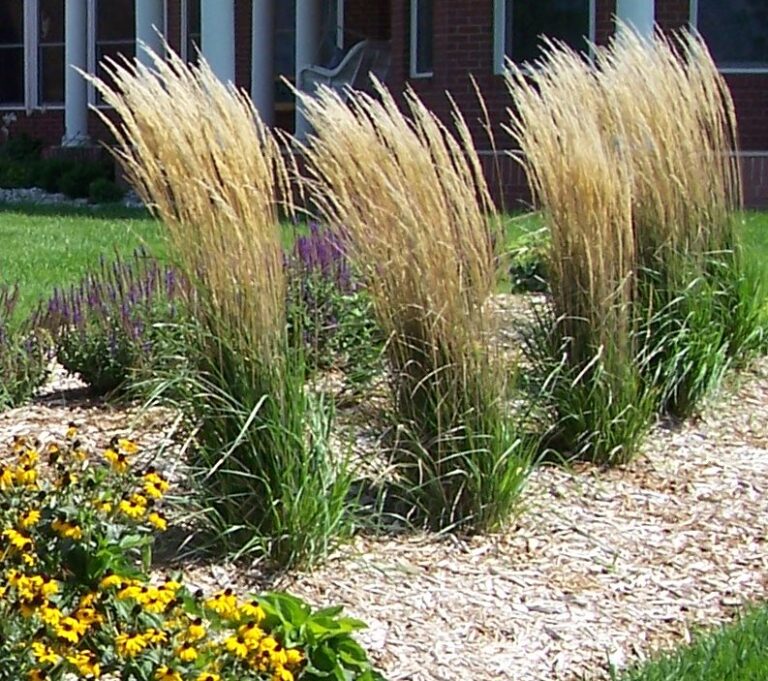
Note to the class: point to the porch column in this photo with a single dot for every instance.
(218, 37)
(262, 59)
(150, 25)
(639, 14)
(308, 13)
(75, 86)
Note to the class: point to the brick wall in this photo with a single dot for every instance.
(366, 19)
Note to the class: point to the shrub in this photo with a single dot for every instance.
(21, 148)
(266, 482)
(113, 326)
(103, 190)
(16, 174)
(78, 597)
(24, 353)
(50, 171)
(412, 203)
(75, 182)
(528, 256)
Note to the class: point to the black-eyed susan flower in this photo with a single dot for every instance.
(237, 646)
(50, 614)
(251, 633)
(293, 657)
(130, 644)
(157, 521)
(128, 446)
(166, 673)
(282, 674)
(71, 630)
(44, 654)
(36, 675)
(154, 484)
(7, 477)
(223, 603)
(67, 530)
(17, 540)
(72, 430)
(195, 630)
(252, 611)
(111, 580)
(208, 676)
(118, 460)
(29, 518)
(187, 652)
(86, 663)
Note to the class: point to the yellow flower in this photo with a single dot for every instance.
(186, 652)
(29, 559)
(7, 477)
(165, 673)
(282, 674)
(71, 430)
(29, 518)
(29, 458)
(36, 675)
(155, 485)
(237, 646)
(43, 654)
(251, 634)
(252, 611)
(67, 530)
(111, 580)
(86, 663)
(132, 509)
(293, 657)
(156, 636)
(50, 615)
(195, 630)
(127, 446)
(118, 460)
(208, 676)
(70, 629)
(130, 645)
(103, 505)
(17, 540)
(224, 603)
(157, 521)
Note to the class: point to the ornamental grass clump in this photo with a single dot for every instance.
(197, 152)
(631, 160)
(115, 324)
(79, 597)
(410, 199)
(672, 110)
(25, 351)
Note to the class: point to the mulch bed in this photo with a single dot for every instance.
(602, 566)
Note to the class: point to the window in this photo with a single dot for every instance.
(192, 31)
(115, 33)
(12, 53)
(520, 25)
(285, 52)
(735, 31)
(50, 47)
(422, 38)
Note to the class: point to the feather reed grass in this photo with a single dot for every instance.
(632, 162)
(197, 152)
(411, 201)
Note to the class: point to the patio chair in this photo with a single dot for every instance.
(363, 59)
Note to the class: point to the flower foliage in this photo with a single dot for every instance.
(24, 352)
(77, 599)
(112, 322)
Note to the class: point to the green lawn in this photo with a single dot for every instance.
(44, 247)
(736, 652)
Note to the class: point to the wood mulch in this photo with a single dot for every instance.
(601, 568)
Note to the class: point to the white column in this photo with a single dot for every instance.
(308, 13)
(150, 26)
(218, 37)
(638, 14)
(262, 58)
(75, 86)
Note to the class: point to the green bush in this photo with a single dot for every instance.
(76, 181)
(50, 171)
(21, 148)
(528, 262)
(17, 174)
(103, 190)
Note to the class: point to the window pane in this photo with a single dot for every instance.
(11, 75)
(736, 32)
(115, 20)
(51, 21)
(12, 22)
(526, 22)
(52, 74)
(194, 28)
(424, 33)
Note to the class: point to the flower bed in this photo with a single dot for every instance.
(77, 595)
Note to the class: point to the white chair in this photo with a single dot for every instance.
(363, 59)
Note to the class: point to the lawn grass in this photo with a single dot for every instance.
(45, 247)
(735, 652)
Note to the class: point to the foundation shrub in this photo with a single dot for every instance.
(25, 352)
(413, 207)
(265, 482)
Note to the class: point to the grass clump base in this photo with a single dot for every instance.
(413, 207)
(216, 179)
